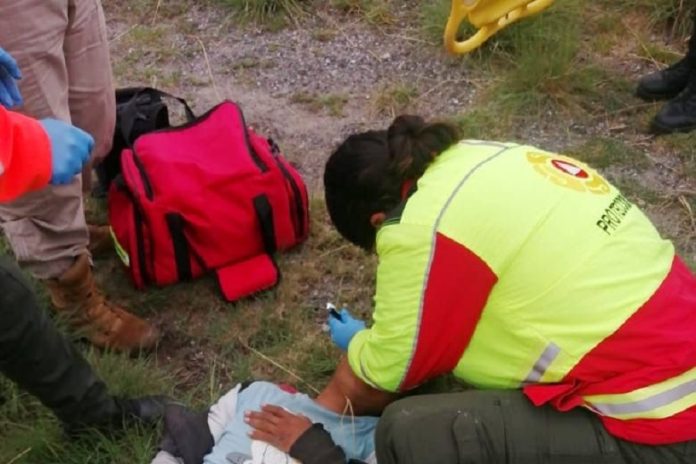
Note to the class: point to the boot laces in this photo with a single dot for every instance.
(99, 313)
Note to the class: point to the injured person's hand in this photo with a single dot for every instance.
(277, 426)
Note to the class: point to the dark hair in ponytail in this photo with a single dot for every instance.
(365, 174)
(413, 145)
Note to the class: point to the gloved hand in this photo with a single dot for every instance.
(70, 150)
(9, 74)
(343, 329)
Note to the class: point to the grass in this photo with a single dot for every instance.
(603, 152)
(267, 10)
(672, 15)
(572, 66)
(331, 104)
(27, 427)
(210, 346)
(433, 17)
(546, 68)
(564, 81)
(375, 12)
(324, 34)
(395, 98)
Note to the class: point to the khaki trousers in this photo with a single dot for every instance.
(63, 53)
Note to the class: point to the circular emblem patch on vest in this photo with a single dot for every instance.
(569, 173)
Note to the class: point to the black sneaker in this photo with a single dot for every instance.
(665, 84)
(111, 417)
(679, 114)
(146, 410)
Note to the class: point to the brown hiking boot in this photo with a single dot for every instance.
(103, 323)
(100, 241)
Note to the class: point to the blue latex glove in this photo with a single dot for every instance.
(9, 74)
(343, 329)
(70, 150)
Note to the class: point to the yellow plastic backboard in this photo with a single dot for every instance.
(488, 16)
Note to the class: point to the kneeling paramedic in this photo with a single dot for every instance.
(522, 273)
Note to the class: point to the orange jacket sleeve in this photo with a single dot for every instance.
(25, 155)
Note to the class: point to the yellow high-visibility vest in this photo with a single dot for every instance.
(546, 258)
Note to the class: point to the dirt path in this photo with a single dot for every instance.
(306, 86)
(310, 84)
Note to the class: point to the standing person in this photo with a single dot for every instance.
(514, 269)
(32, 351)
(62, 50)
(677, 83)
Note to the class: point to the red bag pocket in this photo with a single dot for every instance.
(244, 278)
(126, 230)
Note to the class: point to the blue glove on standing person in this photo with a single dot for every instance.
(343, 328)
(9, 74)
(70, 150)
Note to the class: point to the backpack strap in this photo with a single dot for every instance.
(175, 224)
(129, 112)
(260, 272)
(190, 116)
(264, 213)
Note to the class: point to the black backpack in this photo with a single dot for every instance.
(139, 110)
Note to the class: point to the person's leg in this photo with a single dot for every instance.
(679, 114)
(34, 355)
(678, 84)
(90, 82)
(490, 427)
(47, 230)
(91, 92)
(671, 81)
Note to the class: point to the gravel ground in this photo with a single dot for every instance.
(334, 55)
(324, 56)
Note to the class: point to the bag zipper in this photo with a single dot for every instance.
(299, 204)
(149, 194)
(140, 239)
(255, 156)
(139, 233)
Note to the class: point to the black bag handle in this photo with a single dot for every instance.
(264, 213)
(190, 116)
(175, 224)
(129, 112)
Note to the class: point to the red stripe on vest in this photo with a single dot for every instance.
(676, 429)
(656, 343)
(456, 292)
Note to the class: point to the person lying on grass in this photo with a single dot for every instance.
(265, 423)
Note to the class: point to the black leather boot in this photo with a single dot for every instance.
(679, 114)
(665, 84)
(41, 361)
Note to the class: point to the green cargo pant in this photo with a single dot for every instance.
(503, 427)
(41, 361)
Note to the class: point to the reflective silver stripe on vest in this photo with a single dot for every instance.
(648, 404)
(487, 143)
(2, 168)
(543, 363)
(436, 226)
